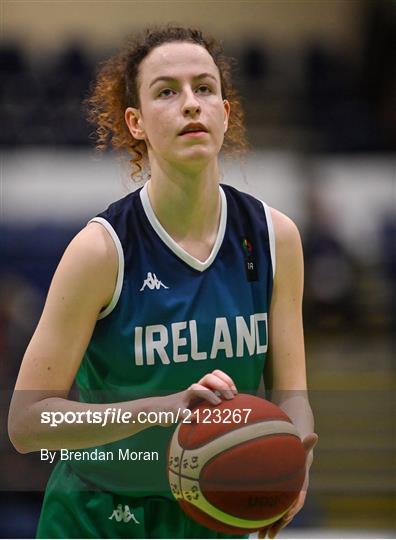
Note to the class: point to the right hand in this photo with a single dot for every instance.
(209, 388)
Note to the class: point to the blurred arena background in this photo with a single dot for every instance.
(318, 83)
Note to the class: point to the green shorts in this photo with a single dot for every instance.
(72, 510)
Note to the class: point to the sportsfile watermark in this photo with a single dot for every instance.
(367, 412)
(114, 415)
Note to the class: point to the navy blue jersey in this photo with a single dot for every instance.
(173, 318)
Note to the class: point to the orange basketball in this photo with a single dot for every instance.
(239, 467)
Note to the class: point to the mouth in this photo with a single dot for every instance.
(194, 129)
(193, 134)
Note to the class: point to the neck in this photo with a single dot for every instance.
(186, 202)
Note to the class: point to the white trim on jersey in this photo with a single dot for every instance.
(120, 274)
(174, 246)
(271, 236)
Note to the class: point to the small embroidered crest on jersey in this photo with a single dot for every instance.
(247, 247)
(250, 260)
(152, 282)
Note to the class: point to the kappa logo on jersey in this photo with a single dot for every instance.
(152, 282)
(124, 515)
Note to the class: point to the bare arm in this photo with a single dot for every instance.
(285, 372)
(82, 285)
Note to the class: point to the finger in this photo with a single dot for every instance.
(296, 506)
(291, 512)
(215, 383)
(262, 533)
(186, 414)
(197, 390)
(274, 529)
(309, 442)
(226, 378)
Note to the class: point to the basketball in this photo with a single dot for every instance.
(238, 466)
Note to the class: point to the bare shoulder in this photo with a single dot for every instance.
(95, 243)
(83, 284)
(288, 248)
(90, 263)
(286, 231)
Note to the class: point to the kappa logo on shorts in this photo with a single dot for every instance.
(152, 282)
(124, 515)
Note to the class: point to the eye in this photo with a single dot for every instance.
(166, 92)
(204, 89)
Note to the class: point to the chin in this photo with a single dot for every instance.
(197, 155)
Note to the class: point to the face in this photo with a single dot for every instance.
(182, 115)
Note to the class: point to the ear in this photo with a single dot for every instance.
(134, 121)
(227, 110)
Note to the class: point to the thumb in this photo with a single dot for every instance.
(309, 442)
(262, 533)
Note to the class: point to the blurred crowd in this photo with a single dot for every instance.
(317, 99)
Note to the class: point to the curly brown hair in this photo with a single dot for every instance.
(116, 88)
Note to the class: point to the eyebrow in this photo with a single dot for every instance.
(173, 79)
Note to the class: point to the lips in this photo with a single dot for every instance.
(193, 127)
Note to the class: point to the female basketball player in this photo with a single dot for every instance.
(160, 301)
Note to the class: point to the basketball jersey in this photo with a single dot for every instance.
(173, 319)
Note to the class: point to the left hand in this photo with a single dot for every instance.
(272, 530)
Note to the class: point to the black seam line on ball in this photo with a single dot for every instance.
(251, 424)
(244, 442)
(181, 475)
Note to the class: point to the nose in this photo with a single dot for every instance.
(191, 105)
